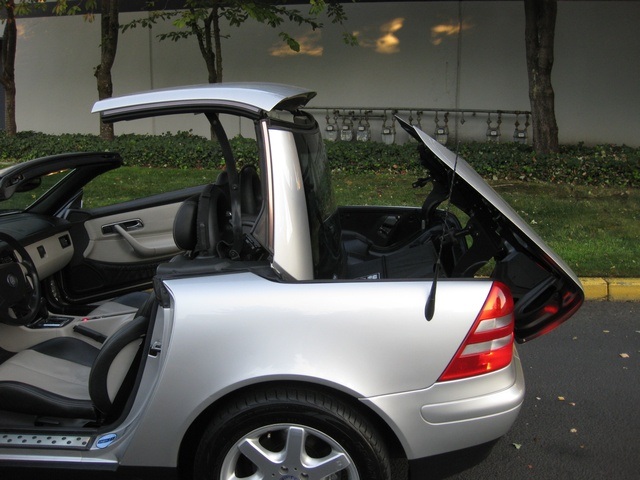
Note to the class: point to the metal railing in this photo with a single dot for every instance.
(367, 123)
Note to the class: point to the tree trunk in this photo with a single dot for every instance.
(540, 22)
(218, 45)
(109, 45)
(212, 59)
(8, 78)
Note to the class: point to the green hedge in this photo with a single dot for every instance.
(601, 165)
(182, 150)
(575, 164)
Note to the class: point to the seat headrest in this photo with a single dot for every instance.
(202, 221)
(223, 178)
(184, 224)
(250, 190)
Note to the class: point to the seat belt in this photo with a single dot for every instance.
(202, 219)
(234, 186)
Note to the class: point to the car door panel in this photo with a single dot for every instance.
(150, 228)
(118, 247)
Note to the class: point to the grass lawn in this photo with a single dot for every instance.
(595, 230)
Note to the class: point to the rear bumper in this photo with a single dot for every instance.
(454, 415)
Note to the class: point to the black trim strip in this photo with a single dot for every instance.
(70, 349)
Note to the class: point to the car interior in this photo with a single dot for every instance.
(75, 365)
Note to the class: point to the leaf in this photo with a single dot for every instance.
(317, 6)
(561, 399)
(291, 42)
(350, 39)
(181, 22)
(517, 446)
(624, 355)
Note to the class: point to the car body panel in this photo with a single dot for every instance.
(292, 245)
(458, 414)
(314, 322)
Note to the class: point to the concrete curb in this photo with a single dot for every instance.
(612, 289)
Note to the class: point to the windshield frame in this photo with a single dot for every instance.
(22, 200)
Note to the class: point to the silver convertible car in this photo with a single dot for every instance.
(249, 328)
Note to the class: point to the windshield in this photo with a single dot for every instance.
(30, 190)
(321, 207)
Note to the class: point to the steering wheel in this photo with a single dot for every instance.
(19, 284)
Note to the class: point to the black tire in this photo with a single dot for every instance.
(291, 434)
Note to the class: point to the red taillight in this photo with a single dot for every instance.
(489, 344)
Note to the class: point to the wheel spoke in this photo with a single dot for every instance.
(294, 449)
(263, 459)
(323, 467)
(317, 468)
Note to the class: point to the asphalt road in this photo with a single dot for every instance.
(581, 415)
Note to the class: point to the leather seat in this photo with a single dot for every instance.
(202, 222)
(129, 303)
(68, 378)
(250, 192)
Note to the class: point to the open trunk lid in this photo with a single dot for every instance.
(547, 292)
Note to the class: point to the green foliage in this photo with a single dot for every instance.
(198, 16)
(24, 7)
(573, 165)
(181, 150)
(352, 157)
(202, 19)
(63, 7)
(602, 165)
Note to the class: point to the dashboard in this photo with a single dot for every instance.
(46, 239)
